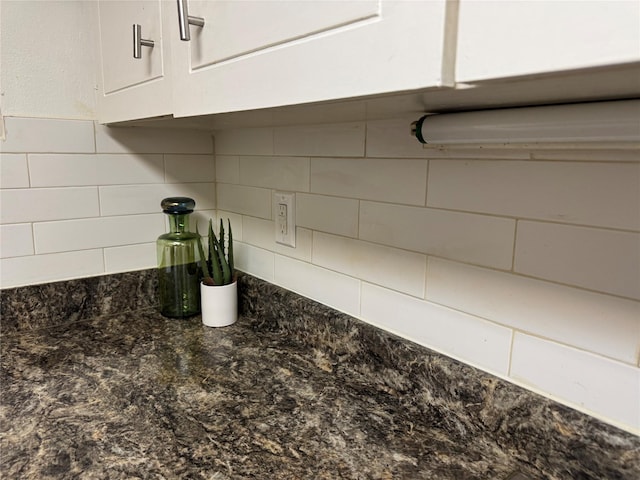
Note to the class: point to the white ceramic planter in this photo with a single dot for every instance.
(219, 304)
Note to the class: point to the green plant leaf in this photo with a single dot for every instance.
(230, 250)
(219, 267)
(214, 257)
(221, 238)
(203, 259)
(223, 264)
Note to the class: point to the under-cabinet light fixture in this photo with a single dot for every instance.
(611, 121)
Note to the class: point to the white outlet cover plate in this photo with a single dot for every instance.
(285, 218)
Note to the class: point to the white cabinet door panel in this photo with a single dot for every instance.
(132, 88)
(274, 53)
(116, 20)
(240, 27)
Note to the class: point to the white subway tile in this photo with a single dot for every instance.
(599, 323)
(387, 180)
(475, 153)
(559, 191)
(130, 257)
(135, 199)
(14, 172)
(330, 288)
(67, 170)
(598, 385)
(318, 113)
(330, 140)
(602, 260)
(280, 173)
(470, 339)
(467, 237)
(88, 233)
(255, 261)
(16, 240)
(397, 269)
(575, 153)
(392, 138)
(152, 140)
(40, 204)
(244, 200)
(328, 214)
(35, 269)
(261, 233)
(228, 169)
(33, 135)
(245, 141)
(588, 154)
(189, 168)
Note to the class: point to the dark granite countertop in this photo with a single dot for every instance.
(140, 396)
(136, 395)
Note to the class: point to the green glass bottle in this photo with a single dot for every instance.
(178, 272)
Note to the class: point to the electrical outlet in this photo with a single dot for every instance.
(285, 213)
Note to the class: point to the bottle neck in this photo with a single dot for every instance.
(179, 223)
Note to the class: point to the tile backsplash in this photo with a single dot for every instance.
(80, 199)
(523, 263)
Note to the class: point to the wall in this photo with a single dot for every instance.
(58, 75)
(522, 263)
(80, 199)
(76, 198)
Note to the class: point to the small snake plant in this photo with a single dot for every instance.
(218, 268)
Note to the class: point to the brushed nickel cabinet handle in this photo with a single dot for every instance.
(184, 20)
(139, 42)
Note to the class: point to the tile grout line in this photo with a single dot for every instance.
(513, 252)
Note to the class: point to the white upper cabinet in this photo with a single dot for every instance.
(132, 88)
(258, 54)
(502, 39)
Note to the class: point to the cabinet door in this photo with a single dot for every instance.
(132, 88)
(257, 54)
(501, 39)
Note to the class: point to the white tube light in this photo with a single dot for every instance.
(615, 121)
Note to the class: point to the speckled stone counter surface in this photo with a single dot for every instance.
(96, 386)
